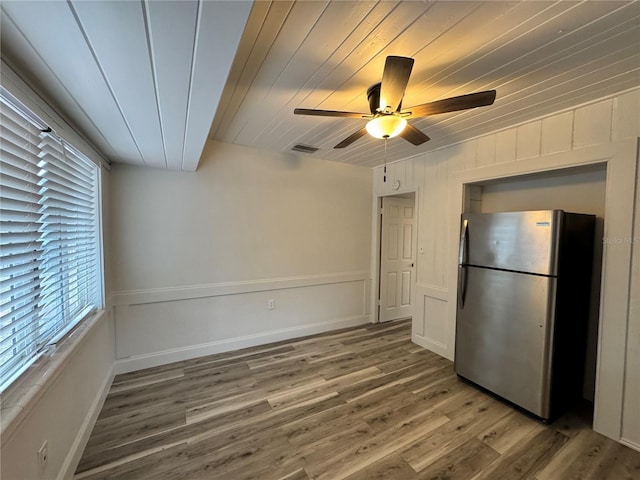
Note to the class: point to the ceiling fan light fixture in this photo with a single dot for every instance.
(386, 126)
(387, 117)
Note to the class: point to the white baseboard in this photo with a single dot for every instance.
(77, 448)
(431, 345)
(140, 362)
(630, 444)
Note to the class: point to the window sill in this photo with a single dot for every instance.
(17, 402)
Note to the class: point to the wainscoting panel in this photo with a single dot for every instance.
(430, 322)
(201, 320)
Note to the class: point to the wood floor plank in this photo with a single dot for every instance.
(466, 400)
(509, 431)
(163, 464)
(117, 424)
(354, 392)
(440, 390)
(298, 474)
(99, 453)
(463, 463)
(278, 468)
(237, 356)
(113, 435)
(441, 371)
(525, 461)
(382, 419)
(377, 334)
(322, 387)
(417, 359)
(121, 402)
(248, 459)
(219, 372)
(255, 425)
(284, 377)
(323, 456)
(591, 456)
(342, 365)
(389, 467)
(121, 384)
(147, 373)
(233, 411)
(354, 456)
(453, 434)
(271, 360)
(308, 429)
(620, 462)
(358, 403)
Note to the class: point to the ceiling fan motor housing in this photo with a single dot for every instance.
(373, 95)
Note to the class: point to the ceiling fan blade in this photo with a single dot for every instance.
(394, 82)
(329, 113)
(351, 138)
(462, 102)
(412, 135)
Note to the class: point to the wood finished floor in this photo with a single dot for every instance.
(359, 404)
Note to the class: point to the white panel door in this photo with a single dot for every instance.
(397, 258)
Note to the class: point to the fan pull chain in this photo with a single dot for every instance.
(384, 178)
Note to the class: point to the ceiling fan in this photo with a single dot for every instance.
(387, 118)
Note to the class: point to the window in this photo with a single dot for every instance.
(50, 269)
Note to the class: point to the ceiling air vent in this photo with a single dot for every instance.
(304, 148)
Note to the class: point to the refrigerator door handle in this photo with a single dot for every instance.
(462, 269)
(462, 252)
(462, 284)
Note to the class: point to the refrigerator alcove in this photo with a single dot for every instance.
(523, 305)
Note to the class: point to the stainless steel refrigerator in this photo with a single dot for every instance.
(524, 281)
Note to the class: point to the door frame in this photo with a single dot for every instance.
(377, 247)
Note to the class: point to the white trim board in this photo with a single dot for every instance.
(630, 444)
(72, 459)
(140, 297)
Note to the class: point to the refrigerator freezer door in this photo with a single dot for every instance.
(518, 241)
(501, 336)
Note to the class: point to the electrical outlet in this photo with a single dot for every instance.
(43, 455)
(271, 304)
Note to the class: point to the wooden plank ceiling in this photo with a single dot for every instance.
(143, 79)
(140, 79)
(540, 56)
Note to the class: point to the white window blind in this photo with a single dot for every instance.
(49, 239)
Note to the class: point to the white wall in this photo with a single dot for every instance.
(582, 191)
(63, 409)
(197, 256)
(605, 131)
